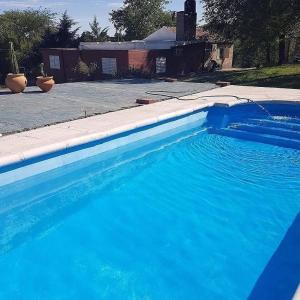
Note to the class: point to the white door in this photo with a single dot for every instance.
(109, 66)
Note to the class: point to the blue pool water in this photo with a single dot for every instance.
(193, 215)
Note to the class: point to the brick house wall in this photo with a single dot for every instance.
(95, 56)
(228, 58)
(153, 54)
(223, 55)
(188, 59)
(68, 59)
(180, 60)
(58, 74)
(139, 60)
(145, 60)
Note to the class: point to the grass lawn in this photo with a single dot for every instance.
(286, 76)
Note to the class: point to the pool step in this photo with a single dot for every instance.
(291, 124)
(276, 131)
(287, 120)
(259, 137)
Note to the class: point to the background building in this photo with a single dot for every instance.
(170, 51)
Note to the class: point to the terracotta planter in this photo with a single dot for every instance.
(45, 83)
(16, 82)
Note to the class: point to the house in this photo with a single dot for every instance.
(171, 51)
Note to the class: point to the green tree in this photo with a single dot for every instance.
(62, 35)
(259, 26)
(139, 18)
(25, 29)
(96, 34)
(66, 36)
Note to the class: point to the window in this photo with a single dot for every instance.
(54, 62)
(109, 66)
(161, 65)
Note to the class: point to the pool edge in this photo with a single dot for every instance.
(134, 118)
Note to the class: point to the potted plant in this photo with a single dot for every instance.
(15, 81)
(44, 82)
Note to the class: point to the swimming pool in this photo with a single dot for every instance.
(198, 208)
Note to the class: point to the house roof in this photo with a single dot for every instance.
(61, 49)
(163, 34)
(163, 38)
(133, 45)
(170, 34)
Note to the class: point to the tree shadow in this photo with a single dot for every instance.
(281, 277)
(290, 82)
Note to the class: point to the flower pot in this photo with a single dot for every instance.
(45, 83)
(16, 82)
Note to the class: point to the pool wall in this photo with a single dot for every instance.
(43, 163)
(51, 155)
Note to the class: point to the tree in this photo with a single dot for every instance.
(25, 29)
(259, 24)
(96, 34)
(139, 18)
(62, 35)
(66, 36)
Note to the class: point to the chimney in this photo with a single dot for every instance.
(187, 22)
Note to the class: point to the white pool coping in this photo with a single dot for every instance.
(30, 144)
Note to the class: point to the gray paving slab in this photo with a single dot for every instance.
(70, 101)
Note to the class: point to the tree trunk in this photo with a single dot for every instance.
(268, 55)
(282, 45)
(288, 50)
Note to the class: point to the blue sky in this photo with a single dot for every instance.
(82, 10)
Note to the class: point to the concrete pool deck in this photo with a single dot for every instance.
(33, 109)
(30, 144)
